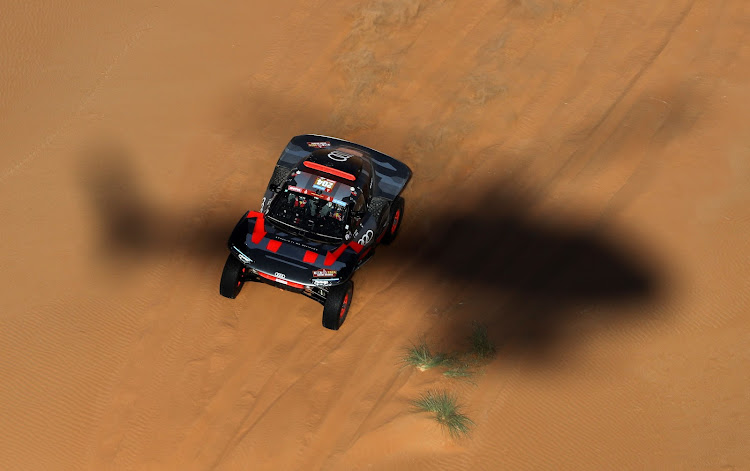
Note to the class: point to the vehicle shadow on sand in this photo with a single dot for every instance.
(133, 226)
(534, 285)
(531, 284)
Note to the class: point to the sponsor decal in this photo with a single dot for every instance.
(324, 282)
(324, 184)
(319, 145)
(290, 241)
(307, 192)
(324, 273)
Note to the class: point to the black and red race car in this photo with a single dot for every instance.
(328, 206)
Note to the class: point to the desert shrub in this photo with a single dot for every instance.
(481, 345)
(446, 412)
(420, 356)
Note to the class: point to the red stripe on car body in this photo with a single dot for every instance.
(332, 171)
(310, 257)
(258, 231)
(331, 257)
(273, 245)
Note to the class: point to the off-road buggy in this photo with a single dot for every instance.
(328, 206)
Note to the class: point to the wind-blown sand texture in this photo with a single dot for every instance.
(581, 186)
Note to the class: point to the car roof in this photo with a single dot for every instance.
(342, 161)
(350, 168)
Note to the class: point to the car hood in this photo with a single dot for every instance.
(269, 250)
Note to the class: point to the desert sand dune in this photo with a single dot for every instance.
(580, 187)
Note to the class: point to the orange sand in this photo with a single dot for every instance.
(581, 185)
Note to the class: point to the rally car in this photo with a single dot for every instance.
(328, 206)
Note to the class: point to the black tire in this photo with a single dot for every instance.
(232, 278)
(337, 305)
(394, 223)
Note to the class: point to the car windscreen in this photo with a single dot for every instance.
(314, 216)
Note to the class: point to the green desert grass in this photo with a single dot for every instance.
(420, 356)
(461, 366)
(461, 369)
(481, 346)
(457, 365)
(446, 412)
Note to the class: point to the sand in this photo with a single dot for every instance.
(581, 187)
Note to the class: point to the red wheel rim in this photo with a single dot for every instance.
(239, 280)
(396, 217)
(343, 306)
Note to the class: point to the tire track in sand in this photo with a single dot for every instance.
(580, 154)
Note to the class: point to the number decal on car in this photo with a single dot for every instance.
(322, 183)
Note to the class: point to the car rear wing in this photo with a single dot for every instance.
(391, 176)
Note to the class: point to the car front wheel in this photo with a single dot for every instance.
(337, 305)
(232, 278)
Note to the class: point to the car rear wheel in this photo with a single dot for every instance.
(232, 278)
(397, 215)
(337, 305)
